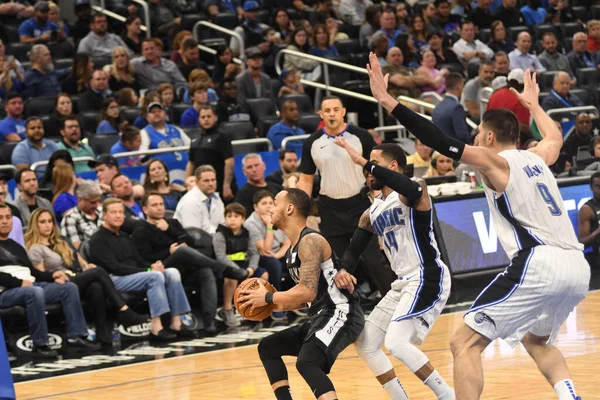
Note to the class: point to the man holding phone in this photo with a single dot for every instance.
(160, 239)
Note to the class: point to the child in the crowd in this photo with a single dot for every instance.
(199, 95)
(291, 83)
(234, 246)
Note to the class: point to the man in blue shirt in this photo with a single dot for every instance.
(35, 148)
(130, 141)
(199, 95)
(288, 126)
(12, 128)
(388, 27)
(38, 29)
(123, 189)
(43, 79)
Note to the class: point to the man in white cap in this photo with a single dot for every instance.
(503, 98)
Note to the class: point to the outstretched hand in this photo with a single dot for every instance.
(377, 81)
(530, 96)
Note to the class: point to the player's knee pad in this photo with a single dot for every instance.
(368, 346)
(398, 343)
(313, 373)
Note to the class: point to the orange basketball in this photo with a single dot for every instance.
(259, 313)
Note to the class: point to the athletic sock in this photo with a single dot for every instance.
(565, 390)
(395, 389)
(438, 385)
(283, 393)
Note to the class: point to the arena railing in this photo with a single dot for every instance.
(146, 15)
(8, 167)
(38, 164)
(226, 31)
(288, 139)
(118, 17)
(484, 99)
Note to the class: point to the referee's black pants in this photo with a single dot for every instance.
(339, 220)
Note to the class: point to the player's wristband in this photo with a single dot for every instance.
(269, 298)
(150, 269)
(269, 229)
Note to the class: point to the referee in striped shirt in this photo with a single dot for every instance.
(340, 201)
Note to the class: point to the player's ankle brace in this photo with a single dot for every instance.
(283, 393)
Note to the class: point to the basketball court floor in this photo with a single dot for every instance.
(234, 371)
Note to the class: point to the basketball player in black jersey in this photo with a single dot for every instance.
(335, 317)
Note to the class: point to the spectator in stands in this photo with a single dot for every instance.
(227, 107)
(16, 9)
(201, 207)
(499, 40)
(291, 84)
(99, 42)
(443, 55)
(444, 21)
(288, 126)
(509, 14)
(353, 12)
(440, 166)
(427, 69)
(379, 46)
(250, 30)
(152, 69)
(113, 249)
(59, 157)
(54, 16)
(371, 25)
(534, 13)
(580, 57)
(520, 57)
(503, 98)
(200, 76)
(593, 28)
(130, 140)
(501, 64)
(224, 65)
(42, 80)
(449, 115)
(28, 200)
(121, 73)
(481, 15)
(176, 45)
(418, 32)
(288, 164)
(35, 148)
(110, 117)
(12, 128)
(559, 11)
(235, 246)
(468, 49)
(81, 73)
(253, 167)
(471, 95)
(131, 34)
(421, 157)
(309, 69)
(16, 233)
(38, 29)
(199, 96)
(320, 40)
(92, 99)
(283, 24)
(588, 229)
(559, 95)
(580, 137)
(165, 20)
(64, 198)
(159, 134)
(85, 219)
(190, 58)
(213, 148)
(27, 286)
(122, 189)
(551, 58)
(81, 27)
(12, 78)
(127, 97)
(157, 180)
(106, 167)
(48, 252)
(141, 122)
(71, 142)
(253, 83)
(223, 6)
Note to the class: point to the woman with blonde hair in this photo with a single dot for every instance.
(157, 180)
(64, 199)
(121, 72)
(49, 252)
(440, 166)
(54, 16)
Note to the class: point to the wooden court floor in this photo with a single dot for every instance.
(237, 373)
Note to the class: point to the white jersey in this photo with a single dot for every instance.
(530, 211)
(407, 235)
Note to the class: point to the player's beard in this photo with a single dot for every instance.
(376, 184)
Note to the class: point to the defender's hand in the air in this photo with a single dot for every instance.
(529, 98)
(377, 81)
(345, 280)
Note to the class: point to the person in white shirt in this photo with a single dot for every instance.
(520, 57)
(468, 49)
(202, 207)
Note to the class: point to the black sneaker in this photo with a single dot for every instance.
(130, 318)
(184, 333)
(210, 327)
(84, 344)
(163, 335)
(235, 273)
(44, 352)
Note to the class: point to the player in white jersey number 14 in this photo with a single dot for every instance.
(548, 275)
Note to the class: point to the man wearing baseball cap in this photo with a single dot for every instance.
(159, 135)
(253, 83)
(38, 29)
(503, 98)
(251, 30)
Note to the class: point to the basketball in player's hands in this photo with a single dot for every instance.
(258, 313)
